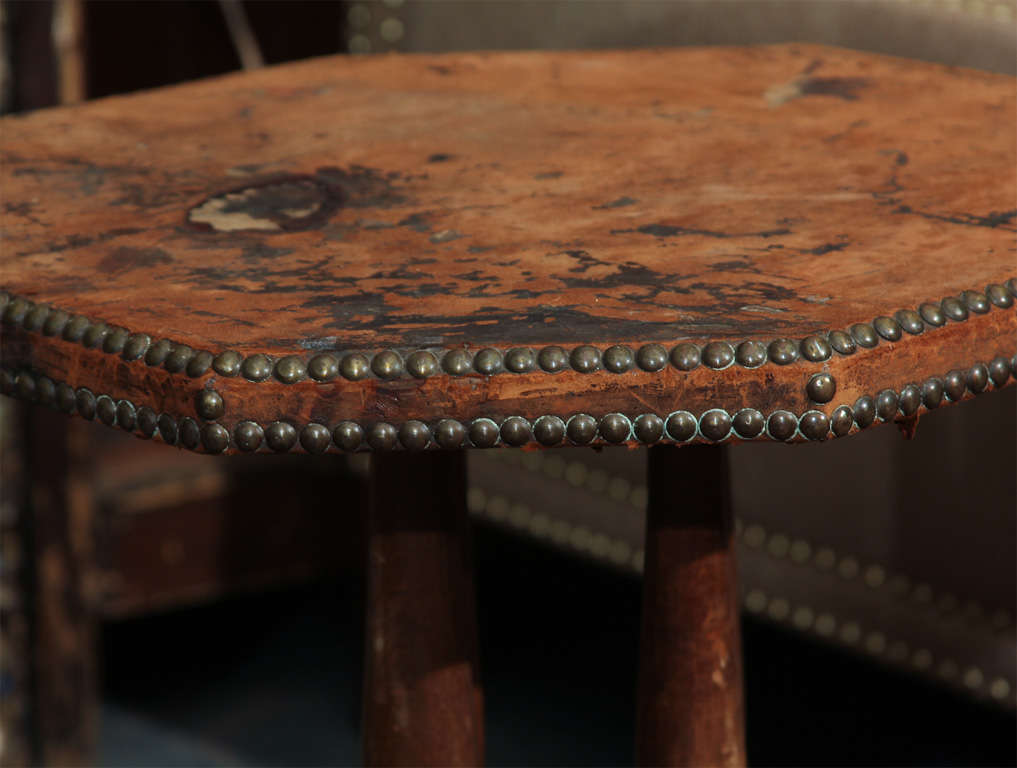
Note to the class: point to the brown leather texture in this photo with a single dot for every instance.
(518, 200)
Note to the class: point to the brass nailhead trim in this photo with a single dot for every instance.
(424, 363)
(715, 425)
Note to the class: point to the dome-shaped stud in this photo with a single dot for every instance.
(748, 423)
(977, 377)
(135, 346)
(483, 433)
(841, 421)
(228, 363)
(209, 404)
(887, 405)
(781, 425)
(681, 426)
(515, 430)
(167, 428)
(354, 367)
(315, 438)
(932, 393)
(189, 433)
(35, 318)
(46, 390)
(888, 328)
(750, 354)
(487, 362)
(549, 430)
(954, 385)
(126, 415)
(686, 356)
(290, 369)
(95, 334)
(199, 364)
(864, 411)
(55, 322)
(16, 309)
(864, 335)
(999, 295)
(323, 367)
(115, 340)
(954, 309)
(910, 399)
(348, 435)
(814, 425)
(75, 328)
(553, 359)
(648, 428)
(157, 353)
(615, 428)
(280, 436)
(24, 386)
(651, 357)
(976, 301)
(815, 349)
(821, 388)
(256, 368)
(387, 365)
(842, 342)
(999, 371)
(520, 360)
(215, 438)
(178, 359)
(148, 421)
(457, 362)
(85, 402)
(581, 429)
(782, 351)
(910, 321)
(248, 436)
(414, 435)
(65, 397)
(449, 433)
(1013, 366)
(932, 314)
(715, 425)
(618, 359)
(718, 355)
(382, 436)
(421, 364)
(585, 359)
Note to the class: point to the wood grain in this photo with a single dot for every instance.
(690, 709)
(423, 703)
(517, 199)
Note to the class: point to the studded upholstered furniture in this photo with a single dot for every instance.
(418, 256)
(867, 574)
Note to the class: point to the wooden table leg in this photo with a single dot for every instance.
(422, 697)
(59, 534)
(690, 709)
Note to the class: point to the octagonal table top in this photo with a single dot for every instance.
(693, 245)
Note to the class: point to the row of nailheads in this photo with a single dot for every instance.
(504, 511)
(715, 425)
(421, 364)
(754, 536)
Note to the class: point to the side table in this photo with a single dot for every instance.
(419, 255)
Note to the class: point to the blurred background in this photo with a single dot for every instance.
(213, 614)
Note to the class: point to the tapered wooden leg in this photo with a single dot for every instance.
(422, 696)
(690, 709)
